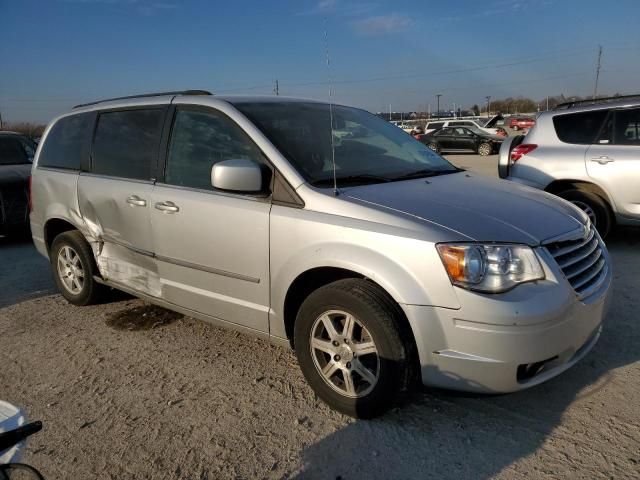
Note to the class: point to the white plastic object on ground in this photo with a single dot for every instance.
(11, 417)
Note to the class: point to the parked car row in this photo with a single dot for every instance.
(325, 229)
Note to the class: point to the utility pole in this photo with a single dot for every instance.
(276, 89)
(389, 112)
(1, 121)
(488, 97)
(454, 109)
(438, 95)
(595, 87)
(547, 102)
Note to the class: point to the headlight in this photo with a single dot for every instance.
(490, 268)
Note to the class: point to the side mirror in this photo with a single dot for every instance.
(240, 175)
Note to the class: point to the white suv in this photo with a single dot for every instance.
(587, 153)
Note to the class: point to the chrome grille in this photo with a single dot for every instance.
(582, 261)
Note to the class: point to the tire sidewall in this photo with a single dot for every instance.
(391, 363)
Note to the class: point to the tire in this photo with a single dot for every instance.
(515, 127)
(594, 206)
(433, 146)
(485, 149)
(376, 321)
(74, 267)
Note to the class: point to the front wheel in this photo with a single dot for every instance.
(433, 146)
(74, 268)
(349, 345)
(594, 206)
(485, 149)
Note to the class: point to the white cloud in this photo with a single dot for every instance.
(382, 24)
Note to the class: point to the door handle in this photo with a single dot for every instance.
(167, 207)
(136, 201)
(603, 160)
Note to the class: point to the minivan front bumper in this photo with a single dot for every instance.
(477, 348)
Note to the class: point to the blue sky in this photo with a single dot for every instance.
(56, 53)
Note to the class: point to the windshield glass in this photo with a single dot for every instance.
(11, 151)
(367, 148)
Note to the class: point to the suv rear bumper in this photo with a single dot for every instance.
(468, 350)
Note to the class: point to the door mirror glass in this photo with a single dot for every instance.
(240, 175)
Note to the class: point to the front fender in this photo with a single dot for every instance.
(409, 269)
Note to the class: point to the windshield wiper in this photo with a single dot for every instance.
(362, 178)
(425, 172)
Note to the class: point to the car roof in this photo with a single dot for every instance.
(595, 105)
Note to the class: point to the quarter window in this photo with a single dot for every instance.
(126, 143)
(580, 128)
(435, 125)
(627, 127)
(199, 140)
(65, 143)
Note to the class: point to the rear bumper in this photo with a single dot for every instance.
(478, 349)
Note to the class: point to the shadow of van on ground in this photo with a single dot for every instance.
(582, 424)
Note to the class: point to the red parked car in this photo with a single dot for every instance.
(518, 123)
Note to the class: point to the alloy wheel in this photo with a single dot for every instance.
(344, 353)
(70, 270)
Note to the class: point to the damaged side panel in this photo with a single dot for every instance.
(119, 230)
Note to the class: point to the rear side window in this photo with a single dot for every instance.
(434, 125)
(126, 143)
(580, 128)
(65, 144)
(627, 127)
(200, 139)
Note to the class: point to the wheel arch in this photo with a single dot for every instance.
(54, 227)
(558, 186)
(310, 280)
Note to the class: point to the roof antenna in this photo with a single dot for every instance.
(333, 150)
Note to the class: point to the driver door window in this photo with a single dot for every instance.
(200, 139)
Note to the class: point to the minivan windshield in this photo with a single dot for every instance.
(367, 148)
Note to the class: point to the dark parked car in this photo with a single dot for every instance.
(16, 155)
(462, 139)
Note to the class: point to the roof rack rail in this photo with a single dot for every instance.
(145, 95)
(596, 101)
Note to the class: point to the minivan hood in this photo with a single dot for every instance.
(477, 207)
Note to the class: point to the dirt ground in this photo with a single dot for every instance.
(126, 391)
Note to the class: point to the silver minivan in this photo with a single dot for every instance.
(324, 228)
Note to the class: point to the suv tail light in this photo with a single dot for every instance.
(30, 203)
(520, 150)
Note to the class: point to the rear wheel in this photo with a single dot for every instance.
(516, 128)
(350, 349)
(594, 206)
(74, 268)
(485, 149)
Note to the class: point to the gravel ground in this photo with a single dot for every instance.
(129, 391)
